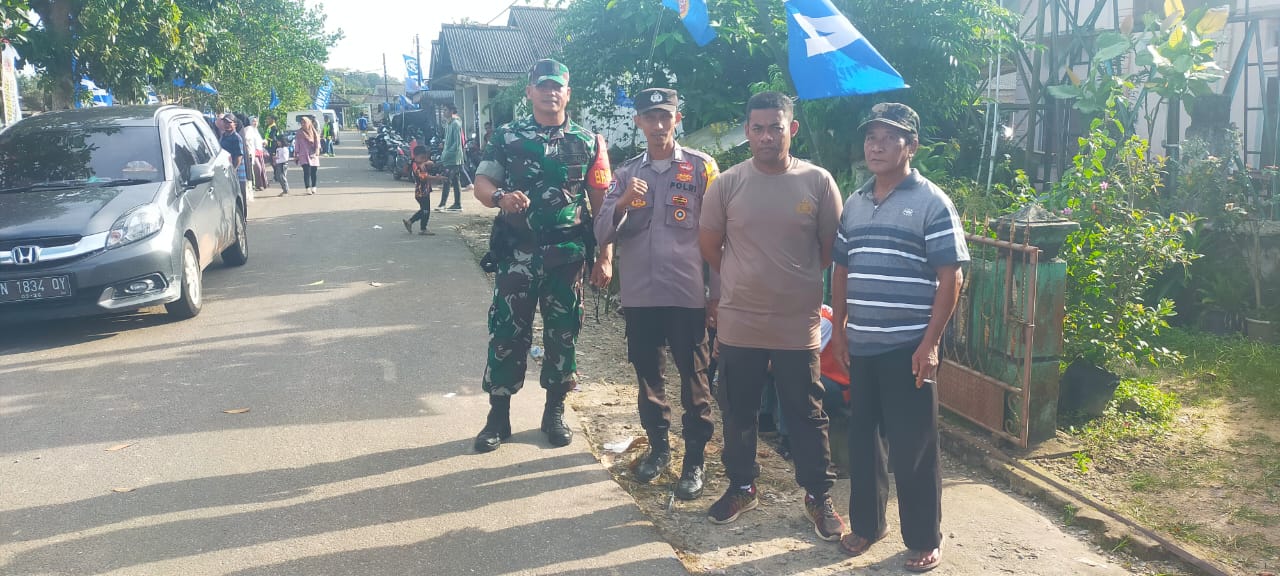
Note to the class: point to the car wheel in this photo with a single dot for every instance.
(188, 306)
(237, 254)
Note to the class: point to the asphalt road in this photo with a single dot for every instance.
(357, 350)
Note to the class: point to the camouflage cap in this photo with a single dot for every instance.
(660, 98)
(899, 116)
(548, 69)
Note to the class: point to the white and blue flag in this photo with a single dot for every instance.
(411, 72)
(322, 95)
(829, 57)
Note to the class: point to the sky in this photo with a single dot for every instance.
(372, 27)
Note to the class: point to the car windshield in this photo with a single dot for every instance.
(71, 155)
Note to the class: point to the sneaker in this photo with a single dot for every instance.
(408, 226)
(454, 209)
(734, 502)
(827, 523)
(426, 233)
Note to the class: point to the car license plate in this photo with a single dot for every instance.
(35, 288)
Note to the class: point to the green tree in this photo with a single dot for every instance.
(121, 44)
(258, 45)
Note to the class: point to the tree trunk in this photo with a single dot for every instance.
(55, 16)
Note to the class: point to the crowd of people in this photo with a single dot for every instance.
(726, 271)
(253, 146)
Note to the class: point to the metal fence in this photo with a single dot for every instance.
(987, 350)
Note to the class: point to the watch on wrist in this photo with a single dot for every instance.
(497, 196)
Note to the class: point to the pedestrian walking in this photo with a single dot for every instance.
(540, 170)
(451, 158)
(280, 164)
(230, 141)
(652, 212)
(254, 152)
(768, 225)
(422, 178)
(362, 124)
(306, 148)
(897, 280)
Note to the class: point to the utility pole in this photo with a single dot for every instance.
(417, 49)
(386, 87)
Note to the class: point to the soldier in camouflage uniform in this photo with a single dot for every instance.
(536, 170)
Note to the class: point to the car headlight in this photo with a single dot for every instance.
(134, 226)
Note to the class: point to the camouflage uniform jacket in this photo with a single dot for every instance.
(548, 164)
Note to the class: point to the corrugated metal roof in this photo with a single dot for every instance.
(540, 24)
(502, 53)
(478, 50)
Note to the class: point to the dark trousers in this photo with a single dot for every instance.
(743, 375)
(884, 396)
(424, 211)
(309, 175)
(452, 179)
(649, 332)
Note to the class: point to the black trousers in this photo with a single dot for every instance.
(796, 373)
(884, 398)
(424, 211)
(309, 175)
(649, 332)
(453, 179)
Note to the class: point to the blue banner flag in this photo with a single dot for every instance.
(275, 100)
(829, 57)
(411, 72)
(322, 95)
(696, 20)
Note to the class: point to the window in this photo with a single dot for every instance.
(182, 156)
(196, 142)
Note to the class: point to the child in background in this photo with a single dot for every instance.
(422, 179)
(280, 164)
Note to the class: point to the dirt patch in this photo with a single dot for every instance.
(1211, 483)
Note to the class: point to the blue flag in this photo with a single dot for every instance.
(829, 57)
(322, 95)
(275, 100)
(411, 74)
(696, 20)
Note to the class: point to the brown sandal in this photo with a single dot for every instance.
(923, 560)
(854, 545)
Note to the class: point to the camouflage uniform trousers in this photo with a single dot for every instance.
(521, 284)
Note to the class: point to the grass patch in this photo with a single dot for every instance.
(1140, 409)
(1229, 366)
(1249, 514)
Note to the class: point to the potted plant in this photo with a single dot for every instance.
(1256, 224)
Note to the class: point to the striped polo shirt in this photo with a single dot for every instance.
(892, 252)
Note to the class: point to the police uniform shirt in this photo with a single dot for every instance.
(657, 238)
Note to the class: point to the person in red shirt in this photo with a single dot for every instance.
(420, 169)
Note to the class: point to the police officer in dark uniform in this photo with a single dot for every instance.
(652, 212)
(540, 170)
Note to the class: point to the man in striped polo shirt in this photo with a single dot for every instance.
(898, 256)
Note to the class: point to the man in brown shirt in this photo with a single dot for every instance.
(768, 226)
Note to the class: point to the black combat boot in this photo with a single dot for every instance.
(689, 487)
(498, 425)
(553, 425)
(653, 463)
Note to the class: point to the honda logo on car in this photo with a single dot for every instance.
(23, 255)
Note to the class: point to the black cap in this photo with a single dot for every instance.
(661, 98)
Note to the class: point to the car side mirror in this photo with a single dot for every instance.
(200, 174)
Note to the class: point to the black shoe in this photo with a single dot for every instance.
(553, 425)
(497, 426)
(653, 463)
(690, 485)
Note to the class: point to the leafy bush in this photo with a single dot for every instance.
(1121, 247)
